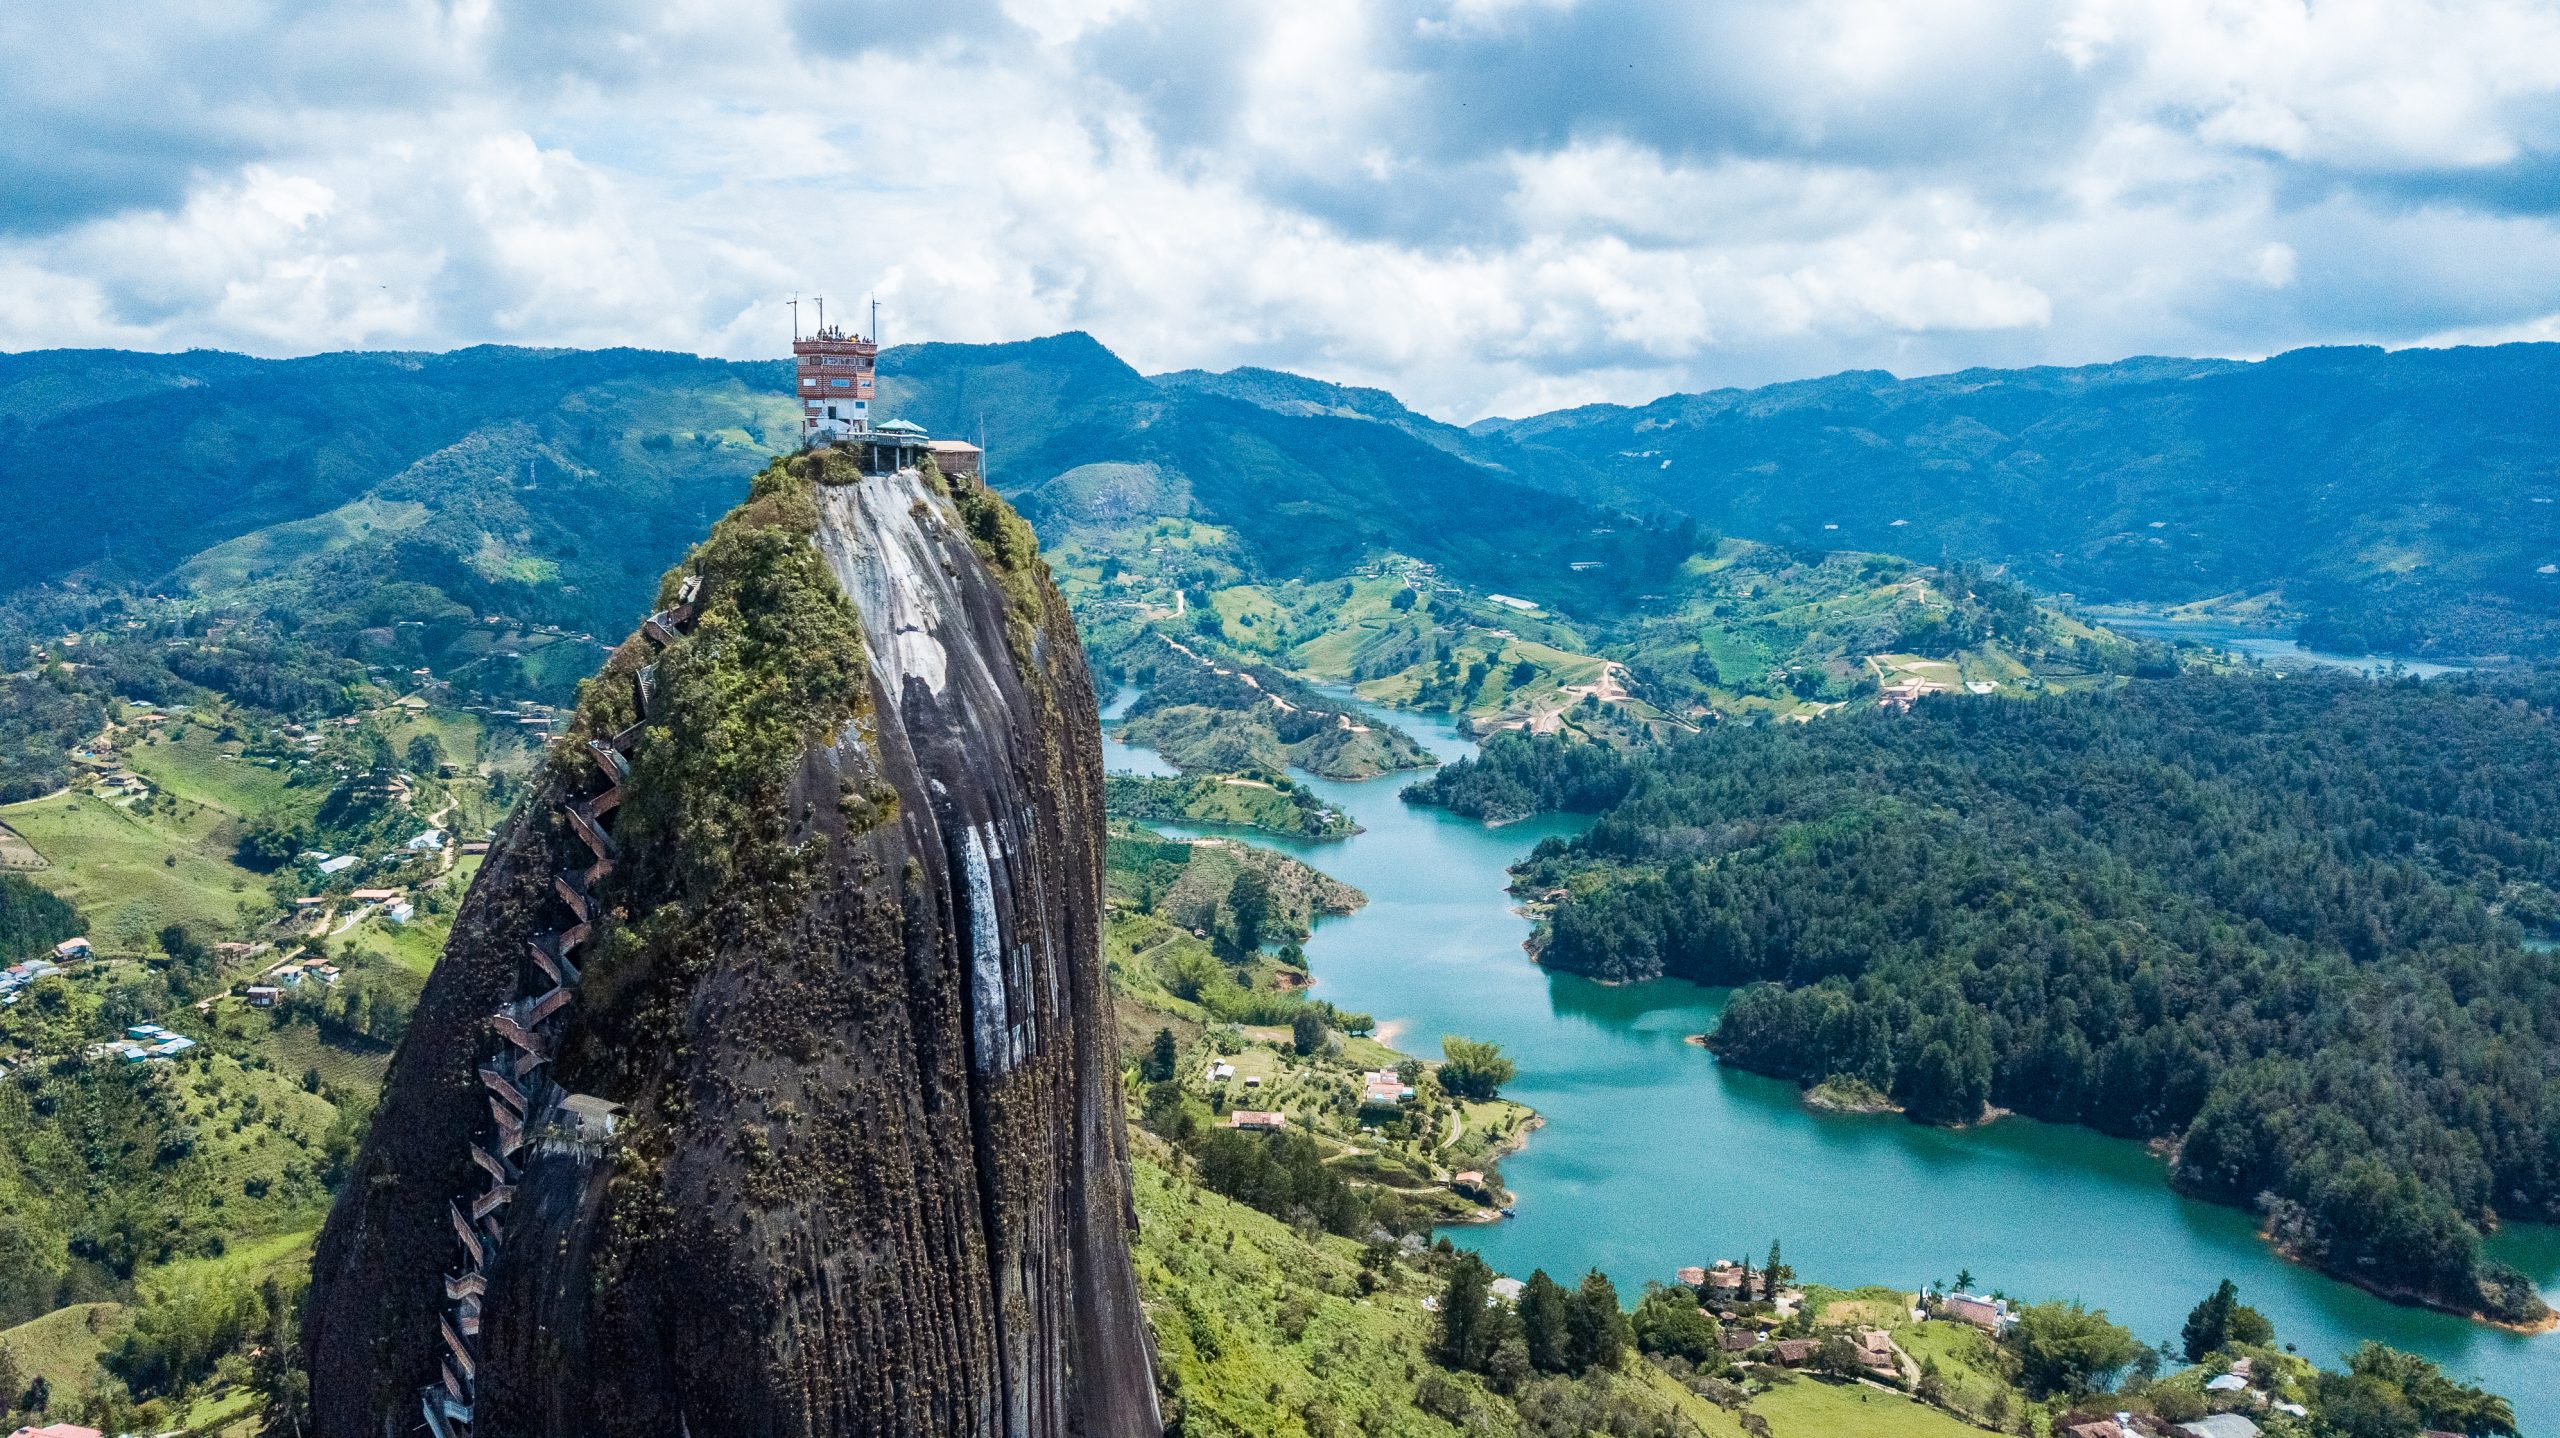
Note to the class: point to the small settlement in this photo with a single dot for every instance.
(1860, 1336)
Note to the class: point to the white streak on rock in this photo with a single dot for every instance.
(987, 1018)
(885, 562)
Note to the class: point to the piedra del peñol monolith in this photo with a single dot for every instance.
(768, 1085)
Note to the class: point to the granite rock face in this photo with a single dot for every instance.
(864, 1168)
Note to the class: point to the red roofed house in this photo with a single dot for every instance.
(1984, 1313)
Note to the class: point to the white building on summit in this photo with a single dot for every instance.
(837, 377)
(835, 373)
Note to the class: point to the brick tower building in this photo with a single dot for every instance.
(835, 374)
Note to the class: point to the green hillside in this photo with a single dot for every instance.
(2401, 501)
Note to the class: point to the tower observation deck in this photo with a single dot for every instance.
(835, 373)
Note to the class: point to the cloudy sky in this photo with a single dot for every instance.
(1488, 206)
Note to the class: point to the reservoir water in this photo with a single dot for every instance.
(1654, 1155)
(2264, 647)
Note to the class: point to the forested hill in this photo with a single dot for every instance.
(2407, 502)
(553, 485)
(2276, 921)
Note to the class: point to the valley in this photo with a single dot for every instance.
(1652, 1155)
(335, 669)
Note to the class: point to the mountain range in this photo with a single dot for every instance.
(2408, 502)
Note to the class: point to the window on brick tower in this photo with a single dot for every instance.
(839, 384)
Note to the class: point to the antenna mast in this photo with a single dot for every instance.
(875, 317)
(822, 316)
(795, 317)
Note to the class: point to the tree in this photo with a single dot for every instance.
(1161, 1057)
(1403, 599)
(2208, 1325)
(1167, 1114)
(1507, 1366)
(1669, 1321)
(1543, 1304)
(1596, 1327)
(277, 1370)
(1473, 1069)
(1837, 1356)
(2355, 1405)
(1462, 1312)
(2063, 1348)
(2438, 1401)
(268, 845)
(10, 1379)
(1774, 1274)
(1964, 1280)
(1306, 1031)
(426, 755)
(1248, 912)
(1192, 972)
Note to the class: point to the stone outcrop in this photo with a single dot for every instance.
(826, 1138)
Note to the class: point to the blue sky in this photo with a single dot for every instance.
(1487, 206)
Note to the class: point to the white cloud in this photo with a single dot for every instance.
(1484, 205)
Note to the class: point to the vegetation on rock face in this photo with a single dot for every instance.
(2273, 920)
(772, 666)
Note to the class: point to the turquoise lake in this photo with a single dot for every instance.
(1654, 1155)
(2264, 647)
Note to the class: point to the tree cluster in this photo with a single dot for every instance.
(1551, 1329)
(2278, 921)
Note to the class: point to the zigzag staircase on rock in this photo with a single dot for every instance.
(526, 1031)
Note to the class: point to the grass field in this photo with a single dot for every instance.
(132, 873)
(224, 1413)
(243, 1263)
(234, 562)
(1962, 1355)
(195, 766)
(1874, 1307)
(296, 1048)
(410, 949)
(1819, 1408)
(63, 1346)
(1717, 1422)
